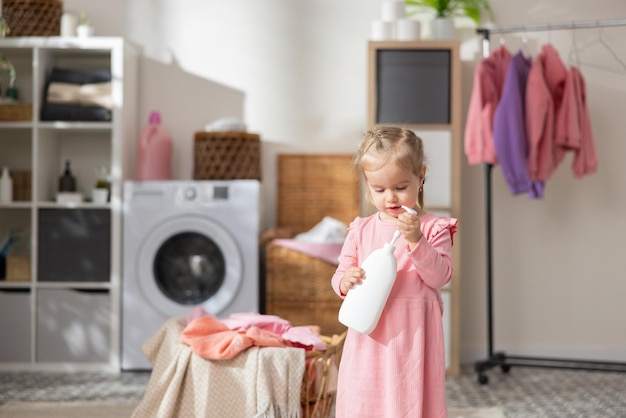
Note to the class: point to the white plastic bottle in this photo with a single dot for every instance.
(6, 186)
(363, 304)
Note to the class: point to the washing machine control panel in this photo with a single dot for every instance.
(190, 193)
(203, 193)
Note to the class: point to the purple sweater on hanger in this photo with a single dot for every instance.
(509, 129)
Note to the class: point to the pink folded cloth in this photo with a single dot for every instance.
(304, 337)
(236, 331)
(246, 320)
(212, 340)
(328, 252)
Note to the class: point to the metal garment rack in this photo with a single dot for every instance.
(500, 359)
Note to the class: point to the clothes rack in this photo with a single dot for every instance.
(501, 359)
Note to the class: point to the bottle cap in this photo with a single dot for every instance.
(155, 117)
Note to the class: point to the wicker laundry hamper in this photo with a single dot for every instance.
(228, 155)
(33, 17)
(310, 187)
(319, 382)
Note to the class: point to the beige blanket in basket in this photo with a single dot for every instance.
(259, 382)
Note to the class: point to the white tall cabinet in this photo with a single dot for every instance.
(66, 314)
(417, 84)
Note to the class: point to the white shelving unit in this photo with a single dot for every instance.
(418, 84)
(67, 316)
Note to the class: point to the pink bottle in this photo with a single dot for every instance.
(154, 151)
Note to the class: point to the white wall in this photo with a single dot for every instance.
(295, 72)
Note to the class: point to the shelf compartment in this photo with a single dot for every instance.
(15, 325)
(85, 149)
(73, 326)
(22, 61)
(74, 245)
(16, 147)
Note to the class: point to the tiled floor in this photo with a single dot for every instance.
(522, 393)
(544, 393)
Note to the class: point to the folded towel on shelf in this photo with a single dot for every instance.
(77, 95)
(92, 94)
(79, 76)
(74, 113)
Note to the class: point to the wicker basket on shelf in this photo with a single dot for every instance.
(229, 155)
(22, 185)
(33, 17)
(18, 268)
(16, 112)
(319, 383)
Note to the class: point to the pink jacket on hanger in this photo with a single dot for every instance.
(544, 100)
(568, 130)
(488, 84)
(585, 158)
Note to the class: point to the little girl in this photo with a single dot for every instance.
(398, 370)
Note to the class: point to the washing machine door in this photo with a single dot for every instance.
(188, 261)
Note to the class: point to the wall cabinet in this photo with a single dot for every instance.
(60, 309)
(418, 84)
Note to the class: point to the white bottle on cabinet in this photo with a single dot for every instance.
(6, 186)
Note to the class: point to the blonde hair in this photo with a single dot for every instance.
(385, 144)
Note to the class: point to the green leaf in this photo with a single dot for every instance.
(450, 8)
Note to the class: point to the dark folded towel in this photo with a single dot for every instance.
(79, 76)
(72, 112)
(61, 112)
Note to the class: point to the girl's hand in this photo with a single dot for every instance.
(351, 277)
(409, 226)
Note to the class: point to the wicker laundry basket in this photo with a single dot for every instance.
(298, 289)
(33, 17)
(229, 155)
(310, 186)
(319, 383)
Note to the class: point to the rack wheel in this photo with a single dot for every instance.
(505, 368)
(483, 379)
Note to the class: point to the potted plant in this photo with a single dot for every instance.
(102, 189)
(446, 10)
(84, 29)
(4, 28)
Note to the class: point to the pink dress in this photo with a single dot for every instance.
(399, 369)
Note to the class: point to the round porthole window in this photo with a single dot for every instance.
(186, 262)
(189, 268)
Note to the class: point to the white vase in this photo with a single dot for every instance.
(69, 23)
(443, 28)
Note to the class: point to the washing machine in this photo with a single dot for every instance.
(186, 244)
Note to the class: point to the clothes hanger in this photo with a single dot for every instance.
(573, 59)
(525, 50)
(620, 64)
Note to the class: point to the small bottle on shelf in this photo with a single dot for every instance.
(67, 182)
(6, 186)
